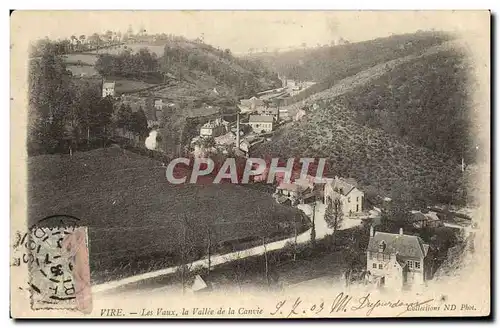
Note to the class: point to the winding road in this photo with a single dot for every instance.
(322, 230)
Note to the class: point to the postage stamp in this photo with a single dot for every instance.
(57, 257)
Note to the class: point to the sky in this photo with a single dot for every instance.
(241, 30)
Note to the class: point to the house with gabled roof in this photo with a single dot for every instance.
(421, 220)
(261, 123)
(253, 103)
(397, 260)
(346, 190)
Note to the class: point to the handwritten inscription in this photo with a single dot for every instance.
(343, 303)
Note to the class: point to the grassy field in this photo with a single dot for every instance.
(338, 62)
(88, 59)
(135, 47)
(126, 86)
(137, 220)
(78, 70)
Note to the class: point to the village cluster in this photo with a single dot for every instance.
(257, 119)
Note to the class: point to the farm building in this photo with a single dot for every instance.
(425, 220)
(108, 89)
(213, 128)
(158, 104)
(252, 103)
(261, 123)
(274, 112)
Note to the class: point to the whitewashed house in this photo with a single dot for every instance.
(346, 190)
(108, 89)
(261, 123)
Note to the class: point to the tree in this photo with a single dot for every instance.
(50, 98)
(95, 39)
(139, 123)
(334, 215)
(104, 114)
(109, 36)
(208, 142)
(82, 41)
(124, 118)
(74, 42)
(130, 31)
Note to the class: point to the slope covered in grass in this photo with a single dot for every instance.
(400, 127)
(371, 156)
(138, 221)
(337, 62)
(426, 102)
(194, 61)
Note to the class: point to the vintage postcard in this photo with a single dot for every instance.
(250, 164)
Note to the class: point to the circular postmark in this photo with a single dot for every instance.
(50, 266)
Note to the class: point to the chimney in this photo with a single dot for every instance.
(238, 131)
(372, 231)
(400, 231)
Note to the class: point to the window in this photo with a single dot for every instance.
(357, 199)
(348, 199)
(410, 264)
(371, 255)
(374, 265)
(417, 264)
(380, 266)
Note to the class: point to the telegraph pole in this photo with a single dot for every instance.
(295, 237)
(313, 230)
(265, 258)
(183, 254)
(209, 246)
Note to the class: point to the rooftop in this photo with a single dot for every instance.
(343, 186)
(271, 110)
(261, 118)
(288, 186)
(419, 216)
(403, 245)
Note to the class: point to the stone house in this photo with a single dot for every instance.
(397, 260)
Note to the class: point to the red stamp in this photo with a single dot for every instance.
(76, 247)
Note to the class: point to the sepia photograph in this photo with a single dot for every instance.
(250, 164)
